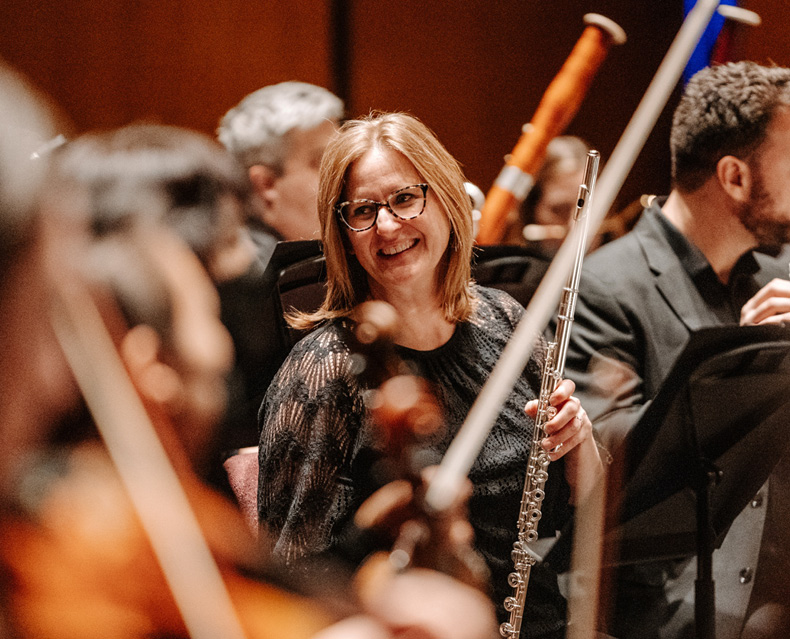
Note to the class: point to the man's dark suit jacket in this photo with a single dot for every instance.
(637, 306)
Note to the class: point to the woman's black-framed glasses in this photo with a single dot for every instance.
(405, 204)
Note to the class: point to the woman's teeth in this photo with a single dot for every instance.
(398, 248)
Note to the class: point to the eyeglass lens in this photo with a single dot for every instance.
(406, 203)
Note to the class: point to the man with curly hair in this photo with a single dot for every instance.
(706, 255)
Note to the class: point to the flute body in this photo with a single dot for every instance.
(537, 468)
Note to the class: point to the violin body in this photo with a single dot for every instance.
(81, 565)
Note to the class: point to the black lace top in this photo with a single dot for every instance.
(314, 432)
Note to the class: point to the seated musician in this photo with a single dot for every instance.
(278, 134)
(704, 256)
(397, 226)
(79, 563)
(206, 195)
(34, 386)
(542, 220)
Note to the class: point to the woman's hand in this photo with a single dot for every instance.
(569, 435)
(569, 427)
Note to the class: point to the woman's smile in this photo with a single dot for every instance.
(396, 249)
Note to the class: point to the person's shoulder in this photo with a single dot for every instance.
(325, 348)
(316, 372)
(605, 258)
(493, 297)
(491, 303)
(496, 316)
(615, 263)
(628, 256)
(773, 263)
(328, 337)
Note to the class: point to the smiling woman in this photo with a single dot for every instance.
(404, 259)
(397, 226)
(398, 148)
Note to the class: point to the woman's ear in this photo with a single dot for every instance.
(155, 381)
(735, 177)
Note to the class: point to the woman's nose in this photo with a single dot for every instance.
(386, 221)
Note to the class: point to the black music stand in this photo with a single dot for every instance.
(700, 451)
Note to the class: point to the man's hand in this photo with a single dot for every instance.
(770, 305)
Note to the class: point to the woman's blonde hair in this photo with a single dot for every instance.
(347, 283)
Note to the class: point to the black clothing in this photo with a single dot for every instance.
(640, 298)
(315, 429)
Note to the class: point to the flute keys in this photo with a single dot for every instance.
(514, 580)
(511, 604)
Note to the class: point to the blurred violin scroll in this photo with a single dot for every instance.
(406, 412)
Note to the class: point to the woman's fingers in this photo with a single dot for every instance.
(566, 412)
(567, 436)
(563, 392)
(568, 427)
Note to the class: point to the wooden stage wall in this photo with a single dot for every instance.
(474, 70)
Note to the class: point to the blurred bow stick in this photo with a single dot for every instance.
(470, 438)
(556, 109)
(144, 467)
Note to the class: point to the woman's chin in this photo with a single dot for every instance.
(404, 278)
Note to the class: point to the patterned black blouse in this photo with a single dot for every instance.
(315, 434)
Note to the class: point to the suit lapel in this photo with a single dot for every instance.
(671, 279)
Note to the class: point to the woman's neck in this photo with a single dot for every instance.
(422, 324)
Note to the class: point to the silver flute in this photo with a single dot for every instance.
(524, 557)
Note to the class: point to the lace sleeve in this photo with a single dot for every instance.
(309, 419)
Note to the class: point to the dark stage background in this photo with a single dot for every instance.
(473, 70)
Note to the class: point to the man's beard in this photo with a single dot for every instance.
(761, 218)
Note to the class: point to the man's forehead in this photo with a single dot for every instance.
(315, 138)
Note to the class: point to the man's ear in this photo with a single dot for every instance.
(735, 178)
(263, 181)
(155, 381)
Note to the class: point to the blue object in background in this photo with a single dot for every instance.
(702, 54)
